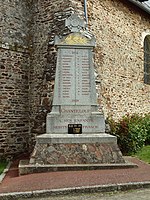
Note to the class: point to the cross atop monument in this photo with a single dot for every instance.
(74, 23)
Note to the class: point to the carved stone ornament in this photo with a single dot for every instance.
(74, 23)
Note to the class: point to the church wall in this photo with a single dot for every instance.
(14, 68)
(119, 58)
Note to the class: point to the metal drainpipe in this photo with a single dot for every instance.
(139, 4)
(85, 12)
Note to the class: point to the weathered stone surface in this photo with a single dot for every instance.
(119, 28)
(14, 74)
(83, 153)
(14, 102)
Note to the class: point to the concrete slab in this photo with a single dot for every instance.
(76, 138)
(26, 168)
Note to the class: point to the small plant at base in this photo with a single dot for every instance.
(133, 132)
(3, 165)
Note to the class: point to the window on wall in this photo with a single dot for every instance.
(147, 60)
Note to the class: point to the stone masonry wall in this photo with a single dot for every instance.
(48, 21)
(14, 69)
(118, 27)
(73, 154)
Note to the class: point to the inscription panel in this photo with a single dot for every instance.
(82, 77)
(67, 76)
(73, 78)
(64, 91)
(90, 124)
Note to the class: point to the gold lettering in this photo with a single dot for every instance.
(76, 39)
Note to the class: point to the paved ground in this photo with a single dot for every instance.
(79, 181)
(132, 195)
(68, 179)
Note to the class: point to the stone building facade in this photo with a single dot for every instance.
(14, 76)
(28, 60)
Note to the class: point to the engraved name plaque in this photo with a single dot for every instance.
(76, 78)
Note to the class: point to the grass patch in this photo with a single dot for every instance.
(144, 154)
(3, 165)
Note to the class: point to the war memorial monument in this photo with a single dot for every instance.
(75, 137)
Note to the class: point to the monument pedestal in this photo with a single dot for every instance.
(55, 149)
(62, 152)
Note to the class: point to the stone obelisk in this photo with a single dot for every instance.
(75, 90)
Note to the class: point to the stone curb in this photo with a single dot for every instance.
(2, 176)
(84, 189)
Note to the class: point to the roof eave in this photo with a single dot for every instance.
(146, 9)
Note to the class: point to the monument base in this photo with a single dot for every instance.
(61, 152)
